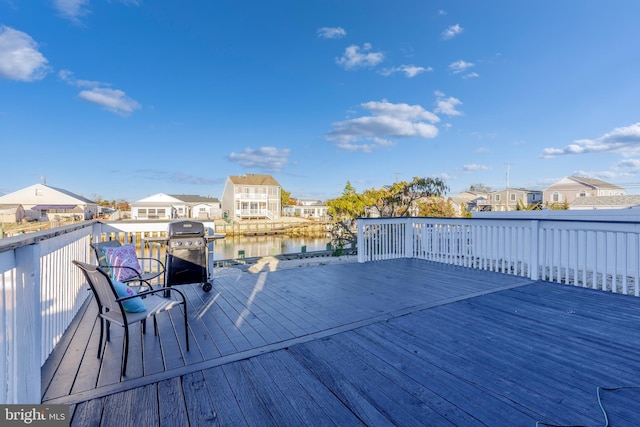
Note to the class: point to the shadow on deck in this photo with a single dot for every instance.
(399, 342)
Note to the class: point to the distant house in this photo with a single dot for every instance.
(605, 202)
(470, 201)
(509, 199)
(44, 203)
(570, 188)
(251, 196)
(307, 208)
(11, 213)
(174, 206)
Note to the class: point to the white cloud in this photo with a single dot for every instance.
(67, 77)
(386, 121)
(356, 57)
(268, 159)
(474, 167)
(331, 32)
(447, 106)
(471, 75)
(623, 140)
(174, 177)
(111, 99)
(451, 32)
(19, 56)
(460, 66)
(72, 10)
(400, 111)
(629, 164)
(409, 70)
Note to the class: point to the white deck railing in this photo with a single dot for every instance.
(600, 253)
(41, 292)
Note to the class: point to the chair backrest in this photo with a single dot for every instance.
(100, 255)
(101, 286)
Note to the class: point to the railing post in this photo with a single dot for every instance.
(534, 273)
(408, 239)
(26, 318)
(360, 242)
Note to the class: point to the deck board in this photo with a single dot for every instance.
(398, 342)
(172, 409)
(227, 409)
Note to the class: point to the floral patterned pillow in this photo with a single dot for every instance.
(123, 256)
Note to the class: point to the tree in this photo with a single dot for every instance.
(284, 197)
(520, 206)
(397, 200)
(557, 206)
(480, 188)
(400, 199)
(343, 211)
(436, 206)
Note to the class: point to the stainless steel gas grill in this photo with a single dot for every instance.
(186, 260)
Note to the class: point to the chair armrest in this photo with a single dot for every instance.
(154, 291)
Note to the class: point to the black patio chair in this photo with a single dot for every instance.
(111, 306)
(142, 277)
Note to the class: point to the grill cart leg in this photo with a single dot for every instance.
(206, 286)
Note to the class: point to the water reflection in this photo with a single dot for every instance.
(259, 246)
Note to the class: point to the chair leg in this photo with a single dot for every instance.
(101, 336)
(108, 330)
(126, 350)
(155, 324)
(186, 326)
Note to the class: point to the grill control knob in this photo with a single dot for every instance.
(189, 243)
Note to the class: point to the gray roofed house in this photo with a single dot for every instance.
(251, 196)
(605, 202)
(43, 202)
(571, 188)
(173, 206)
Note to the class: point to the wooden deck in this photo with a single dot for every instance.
(399, 342)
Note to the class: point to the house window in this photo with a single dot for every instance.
(142, 213)
(512, 196)
(496, 197)
(39, 192)
(582, 194)
(556, 196)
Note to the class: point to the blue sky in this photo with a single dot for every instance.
(122, 99)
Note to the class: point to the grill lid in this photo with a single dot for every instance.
(185, 229)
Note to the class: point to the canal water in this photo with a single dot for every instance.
(232, 247)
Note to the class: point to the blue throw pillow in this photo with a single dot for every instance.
(133, 305)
